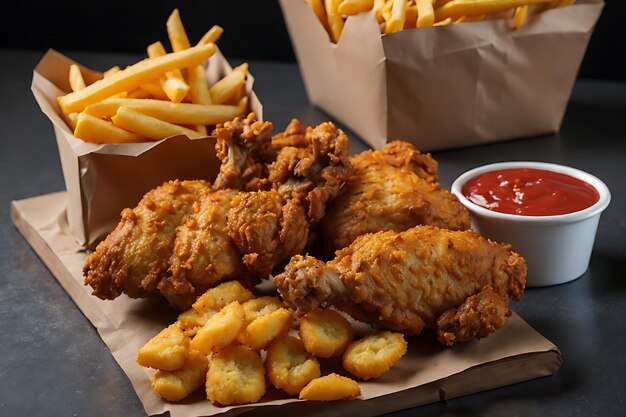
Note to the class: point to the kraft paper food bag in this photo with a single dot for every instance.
(102, 180)
(448, 86)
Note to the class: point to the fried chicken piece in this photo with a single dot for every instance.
(267, 228)
(478, 316)
(203, 253)
(244, 145)
(133, 258)
(293, 135)
(316, 173)
(393, 189)
(406, 281)
(271, 226)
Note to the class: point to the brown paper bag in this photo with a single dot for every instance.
(102, 180)
(444, 87)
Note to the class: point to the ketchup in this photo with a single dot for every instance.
(530, 192)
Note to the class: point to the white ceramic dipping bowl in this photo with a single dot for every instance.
(557, 248)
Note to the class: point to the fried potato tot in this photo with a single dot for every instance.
(236, 376)
(218, 297)
(220, 330)
(255, 308)
(176, 385)
(191, 321)
(331, 387)
(260, 306)
(289, 366)
(325, 333)
(260, 333)
(375, 354)
(167, 350)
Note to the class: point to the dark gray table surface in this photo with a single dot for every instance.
(52, 361)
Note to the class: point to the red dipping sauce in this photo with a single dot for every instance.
(530, 192)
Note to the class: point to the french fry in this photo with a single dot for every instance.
(92, 129)
(562, 3)
(425, 13)
(179, 40)
(212, 36)
(176, 113)
(458, 8)
(137, 93)
(139, 73)
(173, 82)
(148, 126)
(444, 22)
(176, 32)
(198, 87)
(475, 18)
(76, 78)
(320, 12)
(352, 7)
(71, 120)
(398, 16)
(335, 20)
(411, 17)
(155, 90)
(520, 16)
(111, 71)
(378, 8)
(225, 88)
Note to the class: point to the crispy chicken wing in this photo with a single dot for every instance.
(424, 277)
(133, 258)
(392, 189)
(271, 226)
(244, 145)
(315, 172)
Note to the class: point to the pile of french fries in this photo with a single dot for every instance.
(396, 15)
(164, 95)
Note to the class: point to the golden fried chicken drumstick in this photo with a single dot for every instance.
(392, 189)
(133, 258)
(425, 277)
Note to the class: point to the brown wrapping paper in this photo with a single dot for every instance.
(428, 372)
(101, 180)
(444, 87)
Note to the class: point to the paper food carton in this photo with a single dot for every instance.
(103, 179)
(447, 86)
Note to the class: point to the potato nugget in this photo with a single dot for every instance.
(331, 387)
(289, 366)
(260, 333)
(218, 297)
(176, 385)
(260, 306)
(375, 354)
(191, 321)
(220, 330)
(167, 350)
(236, 376)
(325, 333)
